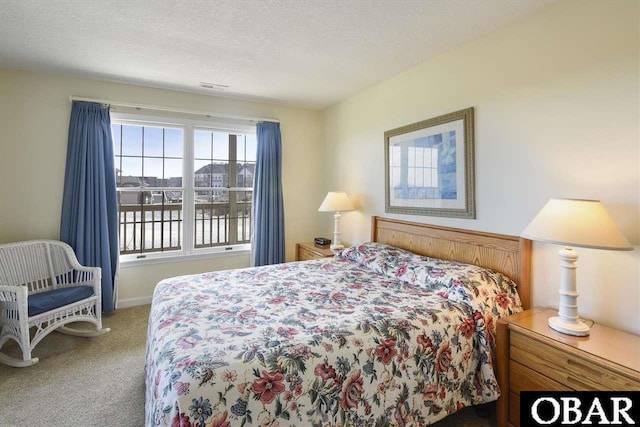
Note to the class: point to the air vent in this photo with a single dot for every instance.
(213, 86)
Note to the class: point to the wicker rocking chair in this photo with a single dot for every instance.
(44, 287)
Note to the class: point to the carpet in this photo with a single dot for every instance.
(98, 381)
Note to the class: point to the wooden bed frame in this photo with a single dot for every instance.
(509, 255)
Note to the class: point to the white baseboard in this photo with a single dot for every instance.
(133, 302)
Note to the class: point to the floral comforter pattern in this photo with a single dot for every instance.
(324, 342)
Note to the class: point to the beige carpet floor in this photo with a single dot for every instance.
(98, 381)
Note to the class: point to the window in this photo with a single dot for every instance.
(160, 212)
(223, 187)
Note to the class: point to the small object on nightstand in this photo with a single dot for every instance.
(322, 241)
(531, 356)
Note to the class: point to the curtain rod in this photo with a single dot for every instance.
(171, 109)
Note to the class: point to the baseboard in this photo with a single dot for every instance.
(133, 302)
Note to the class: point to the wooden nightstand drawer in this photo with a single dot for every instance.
(574, 372)
(307, 251)
(305, 254)
(522, 378)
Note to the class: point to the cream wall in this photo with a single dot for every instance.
(556, 112)
(556, 98)
(34, 114)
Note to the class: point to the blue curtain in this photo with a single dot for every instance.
(268, 233)
(89, 208)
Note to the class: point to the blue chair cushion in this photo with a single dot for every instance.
(45, 301)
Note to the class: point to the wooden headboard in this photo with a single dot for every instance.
(509, 255)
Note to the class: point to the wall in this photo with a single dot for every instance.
(556, 103)
(34, 116)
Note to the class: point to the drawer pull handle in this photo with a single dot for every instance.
(584, 367)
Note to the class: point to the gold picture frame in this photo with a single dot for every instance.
(430, 167)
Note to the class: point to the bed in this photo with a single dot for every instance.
(374, 336)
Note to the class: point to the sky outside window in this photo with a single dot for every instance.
(154, 151)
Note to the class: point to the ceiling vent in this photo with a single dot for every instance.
(213, 86)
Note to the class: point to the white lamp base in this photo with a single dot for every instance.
(337, 245)
(578, 329)
(568, 321)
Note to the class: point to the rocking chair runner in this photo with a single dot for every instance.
(43, 286)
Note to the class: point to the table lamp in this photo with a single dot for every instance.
(574, 222)
(336, 202)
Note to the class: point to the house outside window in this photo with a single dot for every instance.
(184, 187)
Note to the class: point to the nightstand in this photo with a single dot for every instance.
(533, 357)
(305, 251)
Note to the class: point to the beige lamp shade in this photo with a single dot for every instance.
(574, 222)
(336, 202)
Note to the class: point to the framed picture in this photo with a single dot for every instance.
(429, 167)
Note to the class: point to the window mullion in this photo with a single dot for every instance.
(233, 174)
(188, 194)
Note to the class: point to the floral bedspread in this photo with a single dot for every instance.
(375, 336)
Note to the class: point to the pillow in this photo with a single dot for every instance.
(480, 288)
(381, 258)
(477, 287)
(395, 262)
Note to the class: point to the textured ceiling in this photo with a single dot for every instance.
(308, 53)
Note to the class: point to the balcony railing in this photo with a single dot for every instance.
(158, 227)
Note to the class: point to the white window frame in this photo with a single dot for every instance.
(189, 126)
